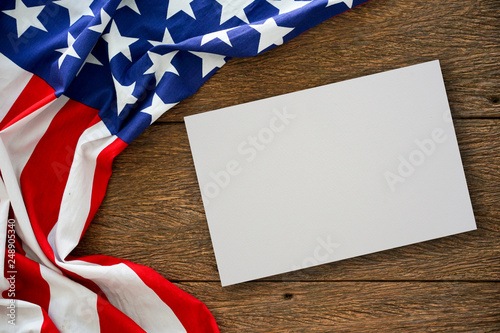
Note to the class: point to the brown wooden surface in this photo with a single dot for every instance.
(153, 215)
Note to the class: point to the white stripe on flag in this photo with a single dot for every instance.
(76, 200)
(72, 307)
(127, 292)
(13, 79)
(29, 317)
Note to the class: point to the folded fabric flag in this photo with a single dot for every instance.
(79, 80)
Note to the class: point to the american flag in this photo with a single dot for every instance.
(79, 80)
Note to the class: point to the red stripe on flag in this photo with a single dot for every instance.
(44, 177)
(112, 320)
(36, 94)
(30, 285)
(185, 306)
(48, 325)
(101, 177)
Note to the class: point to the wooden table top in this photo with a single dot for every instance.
(153, 215)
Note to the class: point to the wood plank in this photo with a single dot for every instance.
(374, 37)
(153, 215)
(352, 306)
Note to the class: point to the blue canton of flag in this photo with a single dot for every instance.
(132, 60)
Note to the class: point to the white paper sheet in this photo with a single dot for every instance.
(330, 173)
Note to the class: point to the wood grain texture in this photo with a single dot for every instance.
(352, 306)
(153, 215)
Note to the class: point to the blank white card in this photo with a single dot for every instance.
(330, 173)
